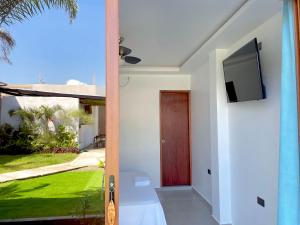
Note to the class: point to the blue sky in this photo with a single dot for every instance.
(48, 46)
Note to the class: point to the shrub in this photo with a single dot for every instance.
(63, 150)
(14, 142)
(58, 142)
(42, 129)
(65, 138)
(101, 164)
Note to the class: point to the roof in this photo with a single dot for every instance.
(84, 99)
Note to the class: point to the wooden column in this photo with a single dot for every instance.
(112, 103)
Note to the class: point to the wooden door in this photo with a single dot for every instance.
(175, 138)
(112, 113)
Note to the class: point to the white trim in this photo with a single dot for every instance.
(176, 188)
(202, 196)
(218, 222)
(213, 216)
(149, 69)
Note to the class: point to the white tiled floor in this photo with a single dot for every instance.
(185, 207)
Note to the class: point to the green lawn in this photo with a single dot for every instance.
(68, 193)
(10, 163)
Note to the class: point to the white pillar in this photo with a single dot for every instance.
(220, 157)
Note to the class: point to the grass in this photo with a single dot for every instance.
(10, 163)
(63, 194)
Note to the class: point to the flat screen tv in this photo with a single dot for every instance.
(242, 73)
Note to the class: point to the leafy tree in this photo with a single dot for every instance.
(13, 11)
(39, 118)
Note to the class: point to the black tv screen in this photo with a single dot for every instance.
(243, 74)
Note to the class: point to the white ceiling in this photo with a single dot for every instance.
(168, 32)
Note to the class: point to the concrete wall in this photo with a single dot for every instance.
(140, 126)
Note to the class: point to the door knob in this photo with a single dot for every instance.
(163, 141)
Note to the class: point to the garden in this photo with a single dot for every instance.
(42, 129)
(47, 136)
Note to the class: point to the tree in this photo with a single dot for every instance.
(37, 118)
(13, 11)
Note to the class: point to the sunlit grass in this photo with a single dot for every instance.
(10, 163)
(63, 194)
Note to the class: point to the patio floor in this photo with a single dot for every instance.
(183, 207)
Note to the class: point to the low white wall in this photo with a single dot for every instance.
(87, 132)
(139, 121)
(86, 135)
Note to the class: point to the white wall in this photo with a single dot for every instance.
(254, 136)
(219, 139)
(139, 121)
(86, 135)
(12, 103)
(87, 132)
(200, 113)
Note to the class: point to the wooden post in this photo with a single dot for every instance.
(112, 105)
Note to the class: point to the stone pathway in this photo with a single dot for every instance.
(88, 158)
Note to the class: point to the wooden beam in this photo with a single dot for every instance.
(112, 104)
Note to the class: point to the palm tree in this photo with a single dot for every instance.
(13, 11)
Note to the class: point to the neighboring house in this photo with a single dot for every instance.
(86, 133)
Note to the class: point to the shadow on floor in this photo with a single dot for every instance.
(71, 221)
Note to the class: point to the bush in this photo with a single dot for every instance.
(65, 138)
(63, 150)
(60, 141)
(14, 142)
(36, 135)
(101, 164)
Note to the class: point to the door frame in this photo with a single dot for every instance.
(190, 130)
(112, 106)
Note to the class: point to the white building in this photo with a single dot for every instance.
(86, 133)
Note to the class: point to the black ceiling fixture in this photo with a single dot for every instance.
(124, 53)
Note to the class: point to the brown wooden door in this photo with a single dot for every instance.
(175, 138)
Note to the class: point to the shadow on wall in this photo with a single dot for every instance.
(9, 103)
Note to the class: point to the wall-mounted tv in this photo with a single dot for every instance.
(242, 73)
